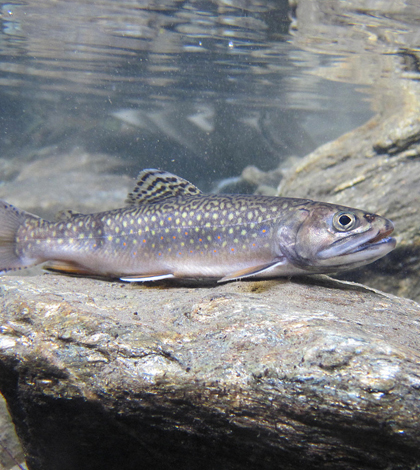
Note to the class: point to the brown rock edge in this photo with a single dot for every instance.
(293, 374)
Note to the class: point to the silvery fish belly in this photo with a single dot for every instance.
(169, 229)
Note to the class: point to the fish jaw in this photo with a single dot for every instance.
(360, 249)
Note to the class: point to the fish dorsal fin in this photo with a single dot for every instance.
(157, 185)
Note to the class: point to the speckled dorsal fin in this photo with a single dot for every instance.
(156, 185)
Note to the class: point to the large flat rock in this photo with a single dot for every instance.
(302, 373)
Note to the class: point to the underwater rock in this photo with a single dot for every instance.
(375, 167)
(78, 180)
(11, 454)
(301, 373)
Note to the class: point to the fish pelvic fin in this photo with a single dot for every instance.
(10, 221)
(156, 185)
(149, 277)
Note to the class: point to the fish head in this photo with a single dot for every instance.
(333, 238)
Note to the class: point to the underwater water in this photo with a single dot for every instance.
(232, 95)
(199, 88)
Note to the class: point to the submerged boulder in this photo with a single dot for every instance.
(301, 373)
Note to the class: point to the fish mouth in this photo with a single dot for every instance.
(381, 238)
(359, 249)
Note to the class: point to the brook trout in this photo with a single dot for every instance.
(170, 229)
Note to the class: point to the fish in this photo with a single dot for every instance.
(169, 229)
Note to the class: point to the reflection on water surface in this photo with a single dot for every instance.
(189, 86)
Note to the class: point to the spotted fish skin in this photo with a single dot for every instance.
(171, 230)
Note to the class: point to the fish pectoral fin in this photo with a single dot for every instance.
(67, 267)
(147, 277)
(262, 269)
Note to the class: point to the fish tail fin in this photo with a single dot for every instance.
(10, 221)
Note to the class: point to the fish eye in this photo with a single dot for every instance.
(344, 221)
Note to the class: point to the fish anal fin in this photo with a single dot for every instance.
(156, 185)
(67, 267)
(258, 270)
(147, 277)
